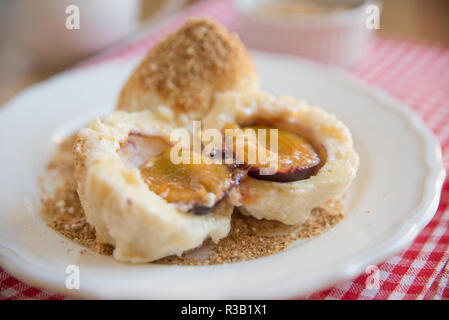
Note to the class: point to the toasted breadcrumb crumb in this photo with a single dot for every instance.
(62, 208)
(189, 65)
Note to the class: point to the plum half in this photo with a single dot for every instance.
(193, 187)
(296, 157)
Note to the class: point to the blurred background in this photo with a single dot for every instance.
(35, 44)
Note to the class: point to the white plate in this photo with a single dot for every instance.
(399, 182)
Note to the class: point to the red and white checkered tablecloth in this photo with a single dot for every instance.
(415, 73)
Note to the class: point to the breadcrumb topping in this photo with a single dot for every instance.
(189, 66)
(62, 208)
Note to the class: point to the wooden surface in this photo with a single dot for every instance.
(414, 19)
(417, 19)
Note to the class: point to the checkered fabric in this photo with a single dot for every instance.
(415, 73)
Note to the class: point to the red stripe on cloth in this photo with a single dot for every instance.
(434, 262)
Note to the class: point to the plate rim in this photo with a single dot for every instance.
(418, 218)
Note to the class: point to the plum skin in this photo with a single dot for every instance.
(293, 174)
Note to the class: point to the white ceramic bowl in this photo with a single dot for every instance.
(40, 28)
(338, 38)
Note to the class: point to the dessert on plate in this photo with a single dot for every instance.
(134, 198)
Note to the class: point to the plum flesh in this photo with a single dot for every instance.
(296, 157)
(192, 187)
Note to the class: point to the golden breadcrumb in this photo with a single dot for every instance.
(187, 68)
(62, 208)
